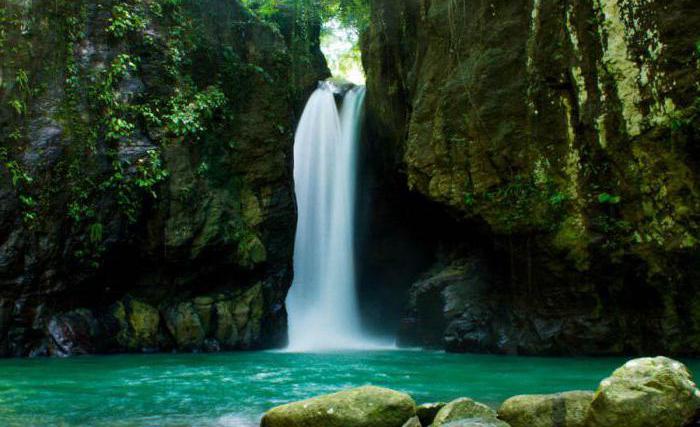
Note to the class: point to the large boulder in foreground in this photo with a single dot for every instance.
(646, 392)
(547, 410)
(367, 406)
(463, 409)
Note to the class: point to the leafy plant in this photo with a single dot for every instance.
(605, 198)
(21, 180)
(188, 114)
(150, 171)
(125, 19)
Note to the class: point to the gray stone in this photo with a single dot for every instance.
(548, 410)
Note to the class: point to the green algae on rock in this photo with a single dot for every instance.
(646, 392)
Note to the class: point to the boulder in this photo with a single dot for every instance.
(646, 392)
(367, 406)
(547, 410)
(461, 409)
(413, 422)
(427, 411)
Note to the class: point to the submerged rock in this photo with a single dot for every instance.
(463, 409)
(646, 392)
(413, 422)
(367, 406)
(548, 410)
(427, 411)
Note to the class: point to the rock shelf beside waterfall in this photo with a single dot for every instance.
(645, 392)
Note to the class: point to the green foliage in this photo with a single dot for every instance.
(150, 172)
(22, 182)
(125, 19)
(18, 106)
(17, 174)
(118, 128)
(96, 231)
(189, 112)
(605, 198)
(558, 198)
(202, 169)
(351, 15)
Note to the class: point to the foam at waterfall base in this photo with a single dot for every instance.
(340, 344)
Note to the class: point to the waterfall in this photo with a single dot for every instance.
(322, 303)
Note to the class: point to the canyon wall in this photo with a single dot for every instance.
(146, 195)
(561, 137)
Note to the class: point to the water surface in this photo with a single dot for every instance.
(234, 389)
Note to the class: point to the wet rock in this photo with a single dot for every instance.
(5, 316)
(226, 331)
(413, 422)
(184, 324)
(360, 407)
(462, 409)
(211, 345)
(551, 410)
(427, 411)
(73, 333)
(46, 145)
(646, 392)
(138, 325)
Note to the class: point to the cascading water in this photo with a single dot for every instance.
(322, 303)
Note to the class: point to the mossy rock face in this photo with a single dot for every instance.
(185, 325)
(460, 409)
(360, 407)
(146, 149)
(562, 137)
(549, 410)
(137, 325)
(646, 392)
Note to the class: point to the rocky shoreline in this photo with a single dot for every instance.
(644, 392)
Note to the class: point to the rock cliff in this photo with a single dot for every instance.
(562, 138)
(146, 187)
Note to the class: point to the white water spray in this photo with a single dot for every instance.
(322, 303)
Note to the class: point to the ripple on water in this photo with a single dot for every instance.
(209, 390)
